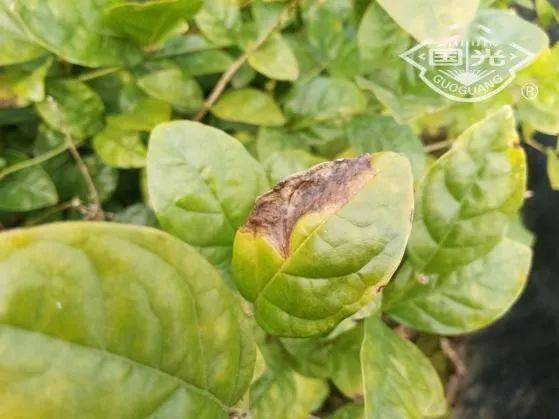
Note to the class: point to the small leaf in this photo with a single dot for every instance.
(120, 148)
(149, 22)
(173, 86)
(250, 106)
(324, 99)
(399, 381)
(468, 196)
(75, 31)
(275, 60)
(345, 365)
(27, 189)
(320, 245)
(72, 107)
(202, 185)
(285, 163)
(372, 133)
(219, 21)
(349, 411)
(464, 300)
(432, 20)
(143, 115)
(120, 309)
(201, 63)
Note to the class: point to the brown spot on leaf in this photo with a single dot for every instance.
(327, 186)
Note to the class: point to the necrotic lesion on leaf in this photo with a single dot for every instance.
(324, 188)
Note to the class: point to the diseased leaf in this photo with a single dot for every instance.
(120, 148)
(321, 244)
(399, 381)
(464, 300)
(123, 311)
(468, 195)
(250, 106)
(72, 107)
(27, 189)
(75, 31)
(202, 185)
(275, 60)
(151, 21)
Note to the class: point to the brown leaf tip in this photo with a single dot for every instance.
(325, 187)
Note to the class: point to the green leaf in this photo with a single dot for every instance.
(138, 214)
(219, 21)
(149, 22)
(345, 365)
(121, 310)
(202, 185)
(464, 300)
(70, 183)
(201, 63)
(432, 20)
(371, 133)
(120, 148)
(173, 86)
(285, 163)
(72, 107)
(324, 99)
(399, 381)
(286, 395)
(24, 84)
(275, 60)
(541, 111)
(15, 46)
(349, 411)
(321, 244)
(141, 115)
(75, 31)
(250, 106)
(468, 196)
(27, 189)
(553, 168)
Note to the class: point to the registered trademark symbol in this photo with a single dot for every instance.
(530, 91)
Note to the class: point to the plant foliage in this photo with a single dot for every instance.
(301, 212)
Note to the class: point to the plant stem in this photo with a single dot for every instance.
(535, 145)
(34, 161)
(429, 148)
(97, 212)
(238, 63)
(95, 74)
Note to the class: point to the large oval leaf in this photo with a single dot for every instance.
(75, 31)
(322, 243)
(15, 45)
(432, 20)
(468, 196)
(399, 381)
(202, 184)
(123, 322)
(464, 300)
